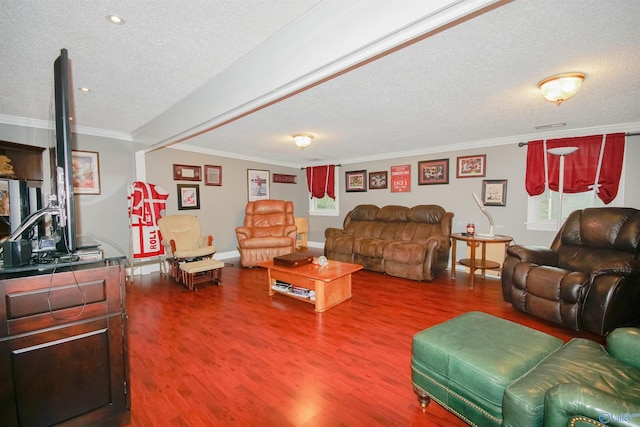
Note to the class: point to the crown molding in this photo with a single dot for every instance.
(49, 125)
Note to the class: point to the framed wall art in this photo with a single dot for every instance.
(378, 180)
(471, 166)
(356, 180)
(188, 196)
(282, 178)
(86, 172)
(433, 172)
(187, 173)
(212, 175)
(258, 184)
(401, 179)
(494, 192)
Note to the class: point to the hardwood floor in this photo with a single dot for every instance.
(232, 355)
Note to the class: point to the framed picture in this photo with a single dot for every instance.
(401, 179)
(494, 192)
(86, 172)
(356, 180)
(212, 175)
(285, 179)
(258, 184)
(433, 172)
(471, 166)
(377, 180)
(187, 173)
(188, 196)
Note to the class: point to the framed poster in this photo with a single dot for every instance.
(212, 175)
(85, 167)
(284, 178)
(258, 184)
(471, 166)
(401, 179)
(356, 180)
(494, 192)
(188, 196)
(433, 172)
(186, 173)
(377, 180)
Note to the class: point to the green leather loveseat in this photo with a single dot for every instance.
(493, 372)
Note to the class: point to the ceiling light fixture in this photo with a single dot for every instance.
(302, 140)
(561, 87)
(115, 19)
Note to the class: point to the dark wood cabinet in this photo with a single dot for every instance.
(63, 347)
(25, 159)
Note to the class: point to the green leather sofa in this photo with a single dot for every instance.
(514, 376)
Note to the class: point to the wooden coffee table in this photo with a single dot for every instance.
(332, 282)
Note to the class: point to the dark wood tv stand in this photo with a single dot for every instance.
(63, 345)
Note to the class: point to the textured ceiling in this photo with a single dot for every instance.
(469, 84)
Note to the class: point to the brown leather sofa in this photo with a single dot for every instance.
(269, 230)
(405, 242)
(589, 279)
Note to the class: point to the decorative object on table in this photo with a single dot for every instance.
(471, 166)
(293, 260)
(282, 178)
(471, 229)
(401, 179)
(86, 172)
(494, 192)
(378, 180)
(487, 214)
(213, 175)
(433, 172)
(258, 184)
(323, 261)
(356, 181)
(188, 196)
(187, 173)
(5, 168)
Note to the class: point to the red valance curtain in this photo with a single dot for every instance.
(321, 181)
(598, 156)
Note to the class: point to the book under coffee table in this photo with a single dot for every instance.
(331, 283)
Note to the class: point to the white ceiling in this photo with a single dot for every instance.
(198, 74)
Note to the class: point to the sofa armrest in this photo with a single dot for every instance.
(243, 233)
(534, 254)
(334, 232)
(439, 242)
(291, 230)
(622, 268)
(624, 345)
(566, 402)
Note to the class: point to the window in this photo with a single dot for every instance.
(543, 210)
(326, 206)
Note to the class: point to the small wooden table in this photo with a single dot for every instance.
(473, 263)
(331, 283)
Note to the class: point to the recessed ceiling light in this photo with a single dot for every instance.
(84, 89)
(115, 19)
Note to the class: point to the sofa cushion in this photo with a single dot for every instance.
(580, 361)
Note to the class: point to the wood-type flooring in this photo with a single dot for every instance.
(234, 356)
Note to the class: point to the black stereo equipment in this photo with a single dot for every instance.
(16, 253)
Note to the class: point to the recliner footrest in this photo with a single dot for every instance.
(466, 363)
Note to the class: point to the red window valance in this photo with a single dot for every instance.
(321, 181)
(598, 157)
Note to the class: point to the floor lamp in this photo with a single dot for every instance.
(562, 152)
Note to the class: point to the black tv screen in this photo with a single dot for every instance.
(62, 179)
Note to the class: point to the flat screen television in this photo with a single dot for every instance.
(62, 181)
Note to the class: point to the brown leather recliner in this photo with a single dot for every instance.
(590, 277)
(269, 230)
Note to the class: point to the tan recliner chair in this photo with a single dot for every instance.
(269, 230)
(181, 234)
